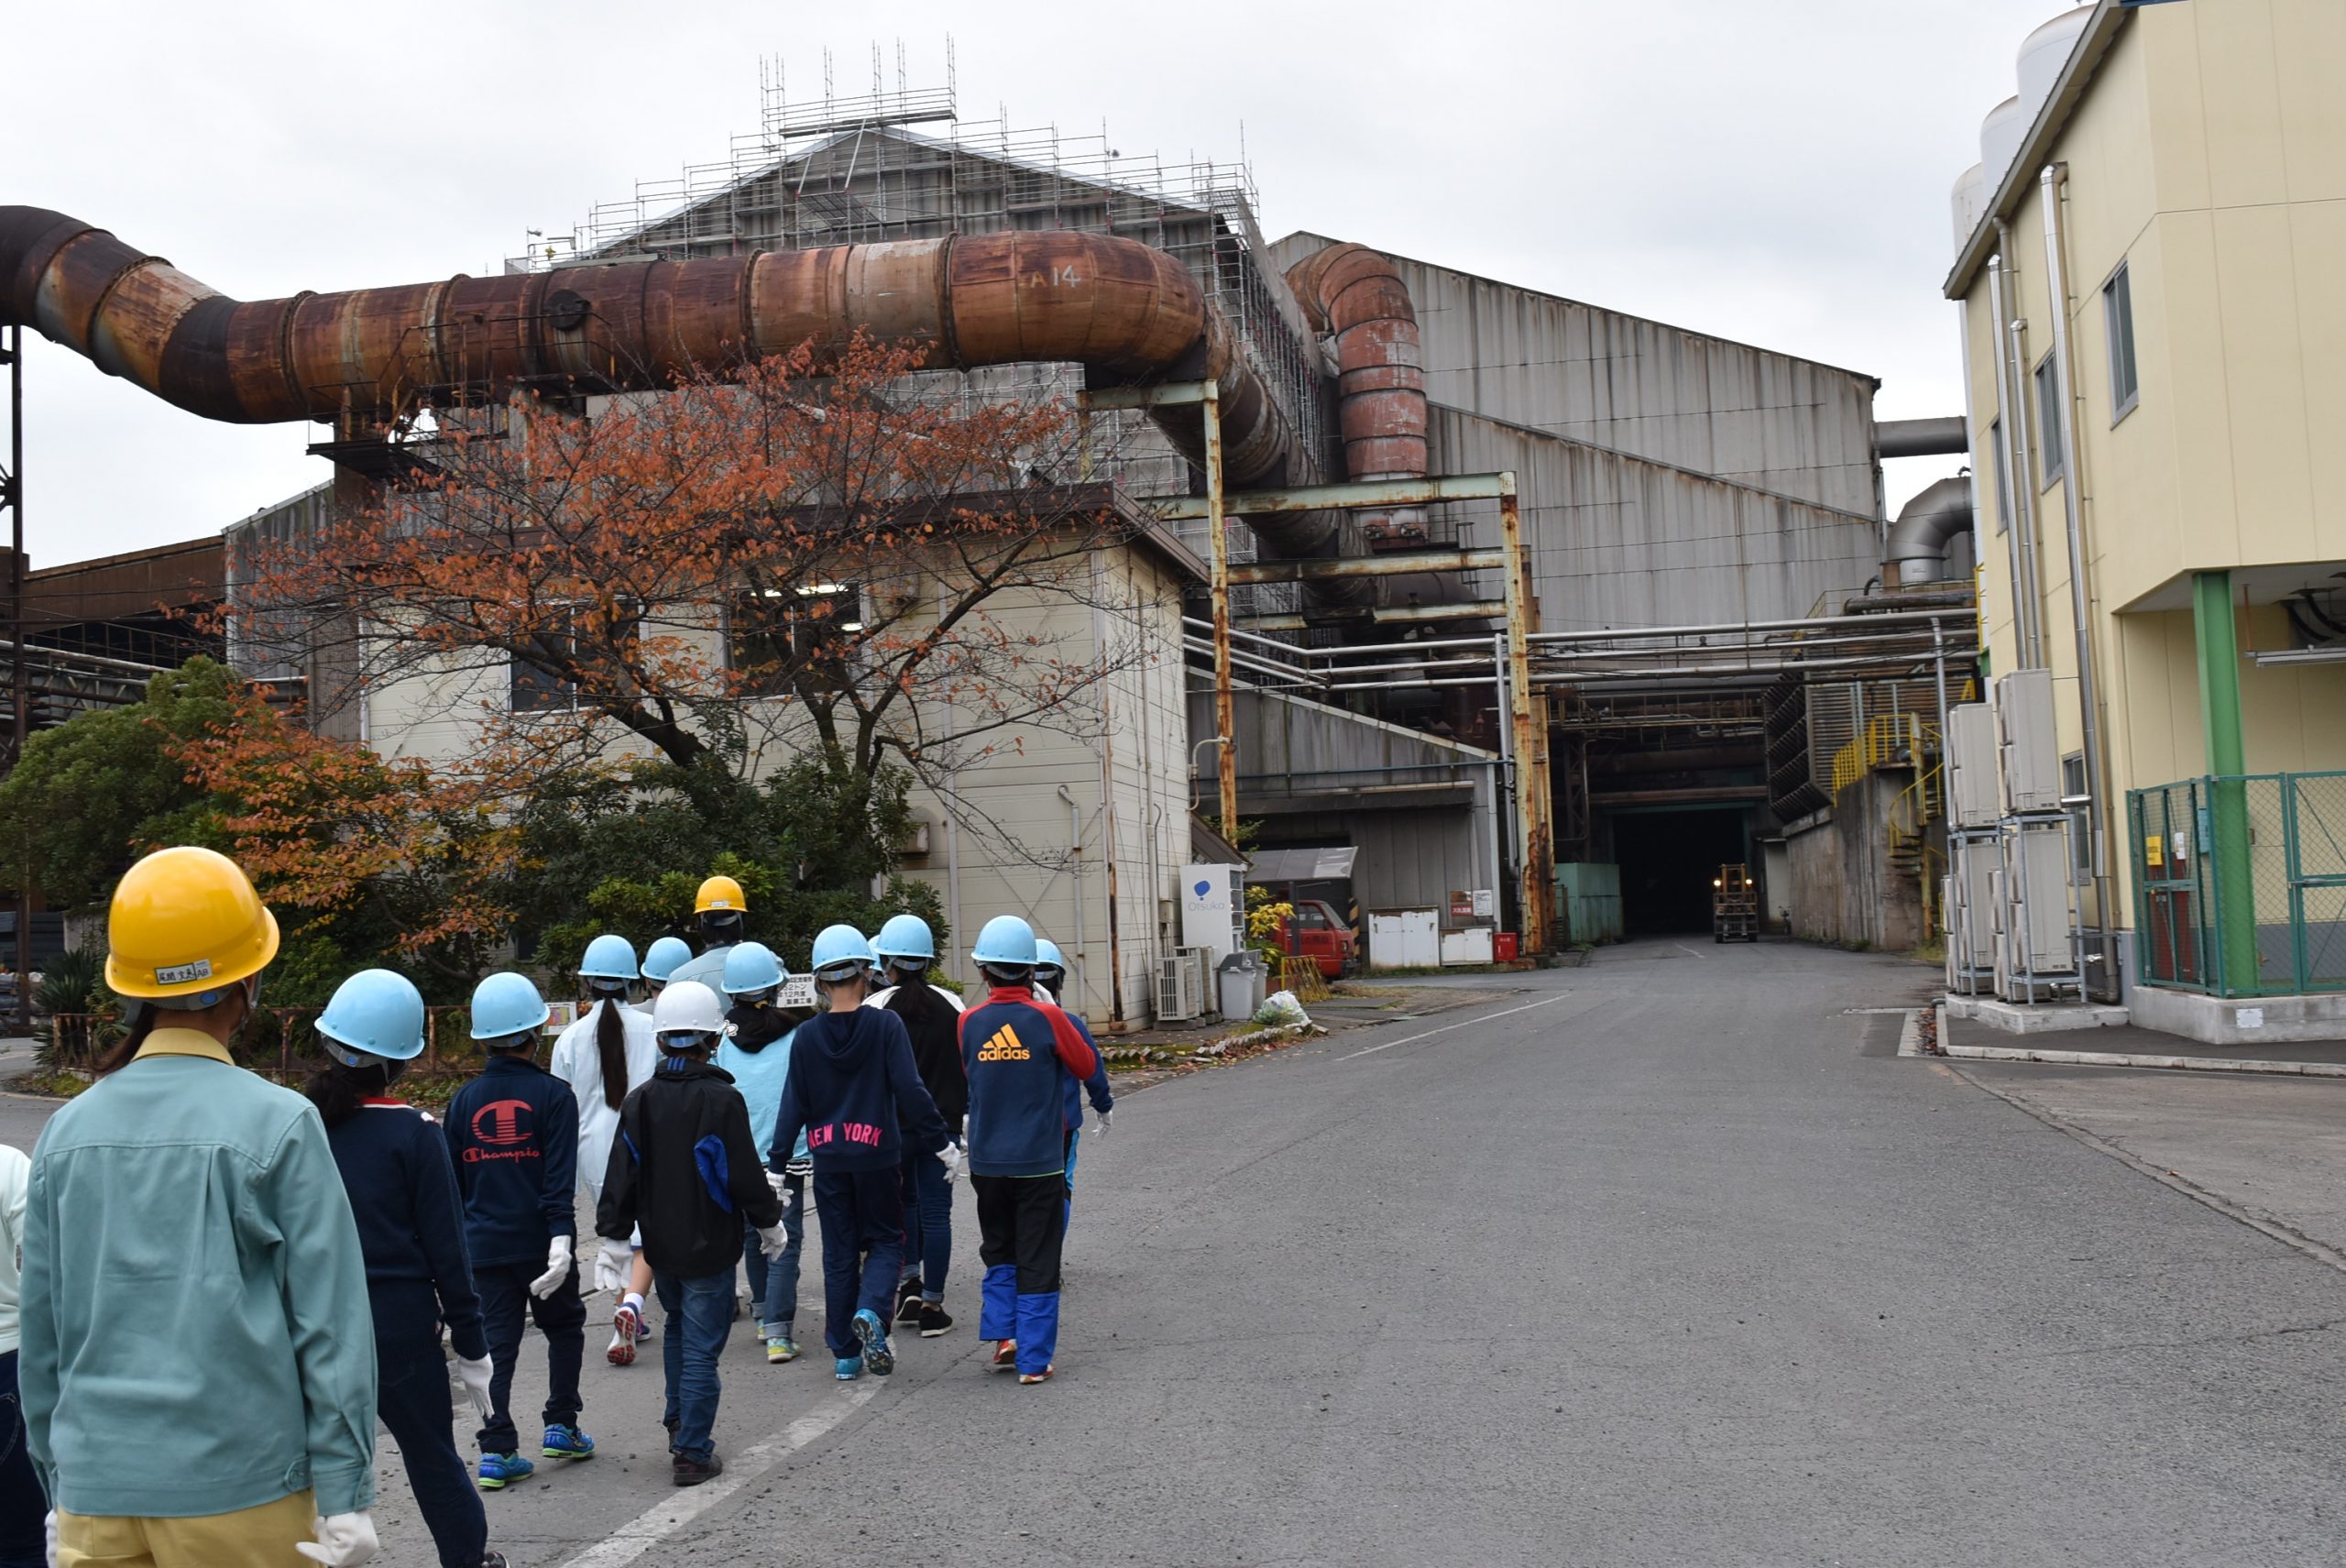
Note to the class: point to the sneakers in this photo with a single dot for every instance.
(567, 1443)
(935, 1321)
(1005, 1354)
(879, 1356)
(1029, 1379)
(693, 1472)
(627, 1327)
(780, 1348)
(848, 1368)
(908, 1299)
(498, 1471)
(492, 1560)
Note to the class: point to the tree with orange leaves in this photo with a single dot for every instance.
(760, 558)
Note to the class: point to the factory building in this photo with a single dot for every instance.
(1697, 516)
(2146, 258)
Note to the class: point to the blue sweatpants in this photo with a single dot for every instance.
(863, 1248)
(412, 1397)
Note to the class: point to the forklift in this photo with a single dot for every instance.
(1735, 905)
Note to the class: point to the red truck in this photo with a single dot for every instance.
(1316, 931)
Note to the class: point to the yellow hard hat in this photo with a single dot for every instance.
(185, 921)
(721, 893)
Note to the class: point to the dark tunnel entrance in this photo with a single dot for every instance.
(1668, 859)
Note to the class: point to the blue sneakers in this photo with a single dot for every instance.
(879, 1356)
(567, 1443)
(499, 1469)
(848, 1368)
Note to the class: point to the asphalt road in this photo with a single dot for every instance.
(1667, 1260)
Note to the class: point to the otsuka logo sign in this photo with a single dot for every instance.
(1005, 1046)
(500, 1130)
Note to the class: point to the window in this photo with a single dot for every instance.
(2048, 422)
(2118, 316)
(536, 691)
(2004, 474)
(773, 634)
(2073, 787)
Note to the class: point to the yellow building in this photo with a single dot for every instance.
(2153, 294)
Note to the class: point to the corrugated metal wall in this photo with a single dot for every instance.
(1617, 541)
(1750, 415)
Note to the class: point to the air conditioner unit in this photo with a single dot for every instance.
(1971, 762)
(1180, 985)
(2031, 740)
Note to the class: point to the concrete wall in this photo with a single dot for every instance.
(1843, 888)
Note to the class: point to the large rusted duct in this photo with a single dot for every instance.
(1356, 295)
(364, 357)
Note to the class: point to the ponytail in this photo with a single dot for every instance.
(914, 980)
(610, 1041)
(339, 1090)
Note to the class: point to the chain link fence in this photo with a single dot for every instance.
(2241, 883)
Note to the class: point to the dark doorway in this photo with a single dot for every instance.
(1668, 859)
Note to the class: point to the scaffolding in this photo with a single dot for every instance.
(899, 162)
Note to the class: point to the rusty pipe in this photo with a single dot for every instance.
(1357, 296)
(1123, 309)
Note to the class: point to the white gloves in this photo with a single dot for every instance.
(472, 1376)
(951, 1155)
(557, 1270)
(772, 1240)
(779, 1182)
(49, 1524)
(343, 1539)
(1104, 1118)
(612, 1266)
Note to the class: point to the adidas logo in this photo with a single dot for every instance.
(1005, 1046)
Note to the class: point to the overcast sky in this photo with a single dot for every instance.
(1774, 173)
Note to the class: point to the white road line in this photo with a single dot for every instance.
(1429, 1034)
(655, 1524)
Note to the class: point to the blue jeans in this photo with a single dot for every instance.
(863, 1248)
(773, 1282)
(929, 1229)
(413, 1399)
(23, 1543)
(700, 1320)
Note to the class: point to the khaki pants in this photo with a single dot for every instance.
(261, 1538)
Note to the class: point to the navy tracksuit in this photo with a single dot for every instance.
(1014, 1050)
(853, 1083)
(394, 1164)
(513, 1133)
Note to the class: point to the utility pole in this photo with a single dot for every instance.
(12, 496)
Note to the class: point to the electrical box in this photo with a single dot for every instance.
(1972, 759)
(2037, 860)
(2031, 742)
(1971, 920)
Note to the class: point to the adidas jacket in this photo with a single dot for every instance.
(1013, 1048)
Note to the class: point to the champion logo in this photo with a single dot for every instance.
(1005, 1046)
(503, 1123)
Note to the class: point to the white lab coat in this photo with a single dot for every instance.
(578, 1061)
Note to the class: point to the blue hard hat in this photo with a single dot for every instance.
(663, 957)
(608, 958)
(374, 1014)
(1007, 940)
(1047, 954)
(506, 1004)
(906, 936)
(840, 947)
(751, 966)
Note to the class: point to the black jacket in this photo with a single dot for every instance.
(935, 1025)
(686, 1169)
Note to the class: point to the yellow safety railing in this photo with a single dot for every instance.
(1888, 740)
